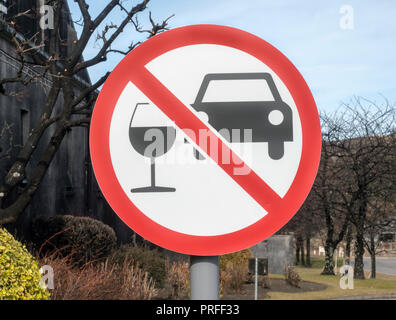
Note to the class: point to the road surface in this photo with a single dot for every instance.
(384, 265)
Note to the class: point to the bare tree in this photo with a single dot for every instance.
(361, 140)
(305, 225)
(324, 203)
(59, 62)
(311, 226)
(381, 215)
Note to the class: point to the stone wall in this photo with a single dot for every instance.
(279, 251)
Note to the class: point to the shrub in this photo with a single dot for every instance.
(233, 277)
(240, 257)
(225, 279)
(234, 271)
(19, 272)
(178, 276)
(291, 276)
(100, 281)
(151, 261)
(265, 282)
(84, 238)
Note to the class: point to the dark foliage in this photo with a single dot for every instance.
(84, 238)
(151, 261)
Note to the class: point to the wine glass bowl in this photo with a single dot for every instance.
(151, 136)
(141, 139)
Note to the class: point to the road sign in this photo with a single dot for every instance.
(205, 140)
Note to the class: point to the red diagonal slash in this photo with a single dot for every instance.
(184, 118)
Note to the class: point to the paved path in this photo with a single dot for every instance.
(370, 297)
(384, 265)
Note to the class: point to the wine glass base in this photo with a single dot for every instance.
(153, 189)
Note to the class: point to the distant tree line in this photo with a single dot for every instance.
(353, 197)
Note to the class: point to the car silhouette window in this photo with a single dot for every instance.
(211, 77)
(238, 90)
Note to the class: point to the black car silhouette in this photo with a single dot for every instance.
(254, 115)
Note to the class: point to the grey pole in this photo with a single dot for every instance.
(255, 278)
(204, 277)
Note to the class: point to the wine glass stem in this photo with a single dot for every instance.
(152, 172)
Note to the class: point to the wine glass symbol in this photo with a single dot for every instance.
(151, 140)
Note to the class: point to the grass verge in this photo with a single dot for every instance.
(383, 284)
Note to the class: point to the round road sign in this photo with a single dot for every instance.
(205, 140)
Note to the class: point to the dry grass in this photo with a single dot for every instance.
(178, 278)
(100, 281)
(148, 260)
(233, 278)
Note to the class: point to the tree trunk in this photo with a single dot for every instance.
(308, 247)
(297, 253)
(373, 267)
(348, 245)
(302, 252)
(329, 263)
(359, 252)
(372, 255)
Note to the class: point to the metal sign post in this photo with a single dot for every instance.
(256, 278)
(204, 277)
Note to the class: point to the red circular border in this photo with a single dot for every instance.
(205, 245)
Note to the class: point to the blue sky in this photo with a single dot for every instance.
(337, 63)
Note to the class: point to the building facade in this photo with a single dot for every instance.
(69, 186)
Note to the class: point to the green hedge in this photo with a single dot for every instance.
(19, 271)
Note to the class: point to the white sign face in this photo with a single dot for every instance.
(205, 201)
(205, 140)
